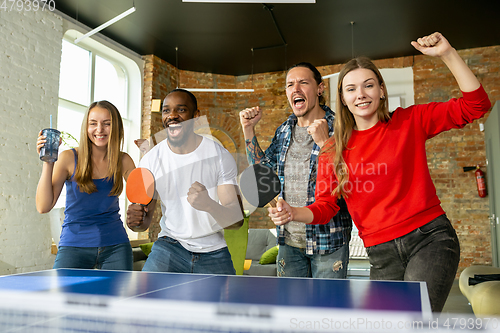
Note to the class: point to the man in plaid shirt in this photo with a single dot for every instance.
(318, 251)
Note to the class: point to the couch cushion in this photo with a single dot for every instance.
(257, 269)
(146, 248)
(269, 257)
(259, 241)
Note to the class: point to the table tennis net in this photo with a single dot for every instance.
(54, 313)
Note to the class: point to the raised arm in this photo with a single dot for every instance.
(436, 45)
(248, 119)
(52, 178)
(229, 209)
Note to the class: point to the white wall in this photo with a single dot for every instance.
(30, 54)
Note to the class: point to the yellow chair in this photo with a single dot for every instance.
(483, 297)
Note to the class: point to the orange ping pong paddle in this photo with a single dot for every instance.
(140, 186)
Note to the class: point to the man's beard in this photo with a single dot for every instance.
(186, 130)
(305, 113)
(177, 141)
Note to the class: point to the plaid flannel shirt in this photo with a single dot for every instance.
(320, 239)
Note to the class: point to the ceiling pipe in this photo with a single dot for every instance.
(105, 25)
(270, 9)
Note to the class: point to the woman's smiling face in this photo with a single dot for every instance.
(361, 93)
(99, 126)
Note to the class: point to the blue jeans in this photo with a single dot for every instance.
(430, 253)
(114, 257)
(294, 262)
(168, 255)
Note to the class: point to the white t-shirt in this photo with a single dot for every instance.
(211, 165)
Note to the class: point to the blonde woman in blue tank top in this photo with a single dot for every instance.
(92, 234)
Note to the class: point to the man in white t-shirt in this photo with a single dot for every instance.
(196, 185)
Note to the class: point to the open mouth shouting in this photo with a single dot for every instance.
(299, 102)
(174, 129)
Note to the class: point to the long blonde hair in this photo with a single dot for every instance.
(345, 122)
(83, 173)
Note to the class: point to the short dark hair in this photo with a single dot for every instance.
(316, 74)
(190, 94)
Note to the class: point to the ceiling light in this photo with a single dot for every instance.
(254, 1)
(329, 76)
(104, 25)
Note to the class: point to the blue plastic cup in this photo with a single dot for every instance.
(50, 150)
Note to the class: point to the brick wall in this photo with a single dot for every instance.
(447, 152)
(30, 53)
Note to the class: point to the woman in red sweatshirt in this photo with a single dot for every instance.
(377, 161)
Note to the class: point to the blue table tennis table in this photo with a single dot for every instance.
(202, 303)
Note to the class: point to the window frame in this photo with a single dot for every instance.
(112, 52)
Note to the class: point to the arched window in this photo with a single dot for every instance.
(91, 71)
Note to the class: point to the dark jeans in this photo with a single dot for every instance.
(430, 253)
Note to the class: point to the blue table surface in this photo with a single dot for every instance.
(347, 294)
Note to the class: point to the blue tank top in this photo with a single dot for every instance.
(91, 220)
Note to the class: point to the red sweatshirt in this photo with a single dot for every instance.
(390, 188)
